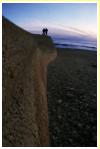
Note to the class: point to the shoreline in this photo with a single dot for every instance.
(67, 46)
(75, 49)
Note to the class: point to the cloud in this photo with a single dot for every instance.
(37, 25)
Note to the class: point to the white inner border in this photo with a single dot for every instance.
(4, 1)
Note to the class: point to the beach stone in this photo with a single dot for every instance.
(70, 140)
(59, 117)
(59, 100)
(94, 95)
(54, 137)
(80, 125)
(70, 95)
(87, 127)
(75, 133)
(66, 105)
(86, 113)
(72, 89)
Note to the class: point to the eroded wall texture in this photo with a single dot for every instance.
(25, 58)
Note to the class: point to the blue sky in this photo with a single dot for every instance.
(65, 18)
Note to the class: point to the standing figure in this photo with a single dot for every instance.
(43, 31)
(46, 31)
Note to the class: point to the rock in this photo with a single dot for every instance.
(59, 100)
(59, 117)
(66, 105)
(79, 125)
(70, 95)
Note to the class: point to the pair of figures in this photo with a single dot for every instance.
(45, 31)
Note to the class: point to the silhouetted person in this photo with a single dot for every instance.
(43, 31)
(46, 31)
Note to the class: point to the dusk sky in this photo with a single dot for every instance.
(63, 18)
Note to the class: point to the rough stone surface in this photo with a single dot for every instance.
(72, 98)
(24, 103)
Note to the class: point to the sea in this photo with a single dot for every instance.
(83, 43)
(74, 41)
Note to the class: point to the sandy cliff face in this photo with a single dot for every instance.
(24, 103)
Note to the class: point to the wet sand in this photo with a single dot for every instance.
(72, 98)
